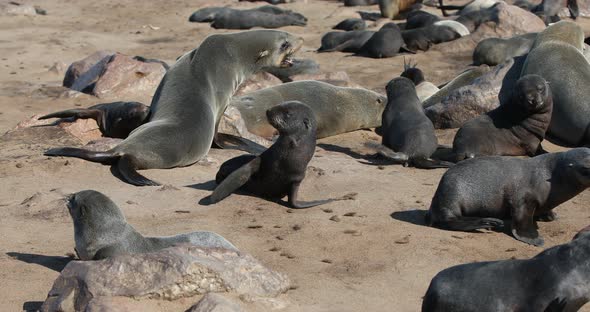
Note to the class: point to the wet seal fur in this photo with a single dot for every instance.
(515, 128)
(554, 280)
(279, 170)
(406, 129)
(478, 193)
(190, 101)
(115, 120)
(557, 55)
(101, 231)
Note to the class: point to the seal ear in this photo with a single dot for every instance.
(307, 123)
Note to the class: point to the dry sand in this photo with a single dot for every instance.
(379, 258)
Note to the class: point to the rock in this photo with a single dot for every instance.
(125, 78)
(170, 274)
(508, 21)
(259, 81)
(77, 68)
(212, 302)
(477, 98)
(16, 9)
(85, 130)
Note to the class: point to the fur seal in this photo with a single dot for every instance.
(101, 231)
(494, 51)
(279, 170)
(515, 128)
(424, 89)
(115, 120)
(384, 43)
(463, 79)
(472, 6)
(349, 41)
(351, 24)
(557, 56)
(553, 280)
(298, 67)
(336, 109)
(392, 8)
(350, 3)
(477, 193)
(406, 129)
(189, 102)
(419, 19)
(266, 16)
(423, 38)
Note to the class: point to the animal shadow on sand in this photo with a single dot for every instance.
(55, 263)
(417, 217)
(344, 150)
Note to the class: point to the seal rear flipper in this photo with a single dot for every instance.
(127, 168)
(428, 163)
(107, 158)
(398, 158)
(228, 141)
(468, 224)
(80, 113)
(297, 204)
(235, 180)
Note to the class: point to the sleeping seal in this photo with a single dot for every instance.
(478, 193)
(553, 280)
(494, 51)
(101, 231)
(189, 102)
(279, 170)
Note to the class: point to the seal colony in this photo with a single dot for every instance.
(189, 102)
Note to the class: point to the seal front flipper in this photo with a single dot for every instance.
(428, 163)
(468, 224)
(235, 180)
(294, 203)
(524, 226)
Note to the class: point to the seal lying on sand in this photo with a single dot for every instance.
(101, 231)
(384, 43)
(515, 128)
(115, 120)
(494, 51)
(406, 129)
(279, 170)
(189, 102)
(478, 193)
(554, 280)
(267, 16)
(349, 41)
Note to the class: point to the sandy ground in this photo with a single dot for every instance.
(377, 257)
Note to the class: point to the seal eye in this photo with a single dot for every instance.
(285, 46)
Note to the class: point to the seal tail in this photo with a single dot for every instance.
(468, 224)
(125, 165)
(81, 113)
(428, 163)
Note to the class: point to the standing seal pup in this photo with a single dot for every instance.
(554, 280)
(279, 170)
(406, 129)
(494, 51)
(115, 120)
(101, 231)
(189, 102)
(477, 193)
(515, 128)
(557, 55)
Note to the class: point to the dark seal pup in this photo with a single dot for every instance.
(101, 231)
(115, 120)
(477, 193)
(554, 280)
(494, 51)
(279, 170)
(515, 128)
(406, 129)
(425, 37)
(384, 43)
(266, 16)
(349, 41)
(351, 24)
(190, 101)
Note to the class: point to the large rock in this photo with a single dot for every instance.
(483, 95)
(169, 274)
(78, 68)
(508, 21)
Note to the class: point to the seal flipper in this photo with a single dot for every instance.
(80, 113)
(398, 158)
(295, 204)
(557, 305)
(228, 141)
(572, 6)
(524, 226)
(339, 47)
(235, 180)
(429, 163)
(127, 168)
(468, 224)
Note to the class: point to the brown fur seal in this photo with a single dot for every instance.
(190, 100)
(267, 16)
(494, 51)
(336, 109)
(515, 128)
(279, 170)
(101, 231)
(392, 8)
(115, 120)
(554, 280)
(478, 193)
(557, 56)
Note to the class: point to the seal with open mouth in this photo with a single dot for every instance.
(189, 102)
